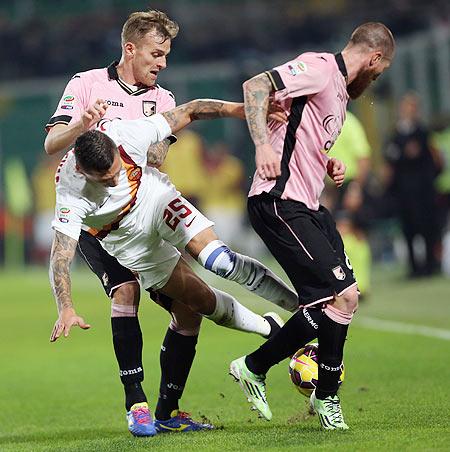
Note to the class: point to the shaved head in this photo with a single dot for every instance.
(374, 36)
(367, 55)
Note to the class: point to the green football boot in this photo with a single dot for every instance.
(329, 411)
(253, 385)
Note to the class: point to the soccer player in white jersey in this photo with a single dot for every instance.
(104, 186)
(130, 92)
(291, 163)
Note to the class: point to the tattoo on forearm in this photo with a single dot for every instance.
(181, 116)
(256, 104)
(209, 109)
(61, 256)
(156, 153)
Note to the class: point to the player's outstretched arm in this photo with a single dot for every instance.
(257, 91)
(63, 251)
(61, 136)
(184, 114)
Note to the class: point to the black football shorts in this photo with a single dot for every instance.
(306, 244)
(109, 271)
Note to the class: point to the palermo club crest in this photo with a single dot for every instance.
(148, 107)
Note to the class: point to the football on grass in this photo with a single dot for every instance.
(303, 369)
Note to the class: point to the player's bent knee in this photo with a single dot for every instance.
(350, 298)
(184, 320)
(186, 327)
(127, 294)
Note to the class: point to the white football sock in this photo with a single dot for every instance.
(249, 273)
(231, 314)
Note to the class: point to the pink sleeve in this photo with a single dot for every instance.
(72, 103)
(166, 101)
(303, 76)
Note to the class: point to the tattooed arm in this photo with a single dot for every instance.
(183, 115)
(63, 251)
(156, 153)
(256, 103)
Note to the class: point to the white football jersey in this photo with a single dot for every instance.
(138, 220)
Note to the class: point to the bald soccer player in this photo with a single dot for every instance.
(291, 164)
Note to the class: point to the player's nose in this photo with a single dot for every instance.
(162, 63)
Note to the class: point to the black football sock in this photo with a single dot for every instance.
(127, 340)
(176, 357)
(331, 350)
(301, 328)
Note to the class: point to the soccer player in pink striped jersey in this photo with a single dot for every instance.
(291, 164)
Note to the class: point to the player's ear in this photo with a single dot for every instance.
(129, 48)
(375, 58)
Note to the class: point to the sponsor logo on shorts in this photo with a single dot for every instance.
(339, 273)
(347, 262)
(130, 371)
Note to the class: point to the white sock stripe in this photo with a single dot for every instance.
(292, 232)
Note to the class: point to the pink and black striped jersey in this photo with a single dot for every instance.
(312, 89)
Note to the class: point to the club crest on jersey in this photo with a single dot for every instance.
(135, 174)
(297, 68)
(339, 273)
(148, 107)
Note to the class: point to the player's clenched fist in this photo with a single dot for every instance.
(67, 319)
(336, 170)
(94, 113)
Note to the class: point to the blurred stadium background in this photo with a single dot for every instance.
(222, 43)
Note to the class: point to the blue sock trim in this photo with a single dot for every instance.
(213, 256)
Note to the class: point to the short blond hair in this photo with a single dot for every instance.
(140, 23)
(375, 36)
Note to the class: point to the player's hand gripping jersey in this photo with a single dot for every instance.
(312, 90)
(135, 219)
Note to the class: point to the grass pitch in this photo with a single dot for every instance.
(67, 396)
